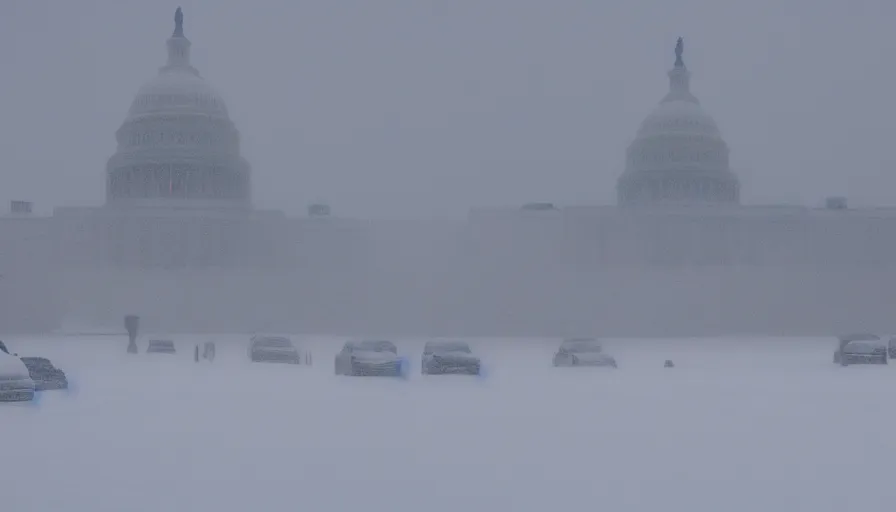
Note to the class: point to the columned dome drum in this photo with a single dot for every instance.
(678, 155)
(177, 145)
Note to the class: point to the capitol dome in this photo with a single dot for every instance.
(678, 155)
(177, 144)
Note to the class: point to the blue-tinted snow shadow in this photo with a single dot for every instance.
(70, 392)
(404, 369)
(484, 372)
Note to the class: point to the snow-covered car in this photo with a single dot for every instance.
(861, 348)
(368, 358)
(444, 357)
(863, 352)
(582, 352)
(44, 374)
(273, 349)
(160, 347)
(16, 384)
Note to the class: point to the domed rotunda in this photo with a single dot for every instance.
(678, 155)
(177, 145)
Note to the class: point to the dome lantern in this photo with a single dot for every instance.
(678, 155)
(680, 79)
(179, 46)
(177, 145)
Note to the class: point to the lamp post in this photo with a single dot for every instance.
(132, 324)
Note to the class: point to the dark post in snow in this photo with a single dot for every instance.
(132, 324)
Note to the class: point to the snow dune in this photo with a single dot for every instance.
(738, 425)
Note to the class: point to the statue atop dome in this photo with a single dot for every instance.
(178, 23)
(679, 50)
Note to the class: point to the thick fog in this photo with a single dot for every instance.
(404, 117)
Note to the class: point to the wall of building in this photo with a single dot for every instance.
(586, 271)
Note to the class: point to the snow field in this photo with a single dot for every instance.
(738, 425)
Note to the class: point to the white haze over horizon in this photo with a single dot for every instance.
(424, 109)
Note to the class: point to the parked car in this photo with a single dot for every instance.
(582, 352)
(44, 374)
(273, 349)
(891, 347)
(861, 348)
(16, 384)
(160, 347)
(443, 357)
(863, 352)
(368, 358)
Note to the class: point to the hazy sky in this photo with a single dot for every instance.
(427, 108)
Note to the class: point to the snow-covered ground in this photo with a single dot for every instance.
(739, 425)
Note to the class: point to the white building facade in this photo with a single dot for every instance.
(179, 242)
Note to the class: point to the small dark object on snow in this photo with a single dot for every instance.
(669, 364)
(44, 374)
(208, 350)
(161, 347)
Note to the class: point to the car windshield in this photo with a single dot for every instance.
(274, 342)
(450, 347)
(582, 346)
(375, 346)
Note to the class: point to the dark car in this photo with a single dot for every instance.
(449, 357)
(368, 358)
(860, 349)
(44, 374)
(273, 349)
(160, 347)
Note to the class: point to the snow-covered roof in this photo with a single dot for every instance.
(12, 366)
(178, 87)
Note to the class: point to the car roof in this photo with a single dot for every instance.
(35, 359)
(866, 342)
(864, 336)
(356, 343)
(446, 343)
